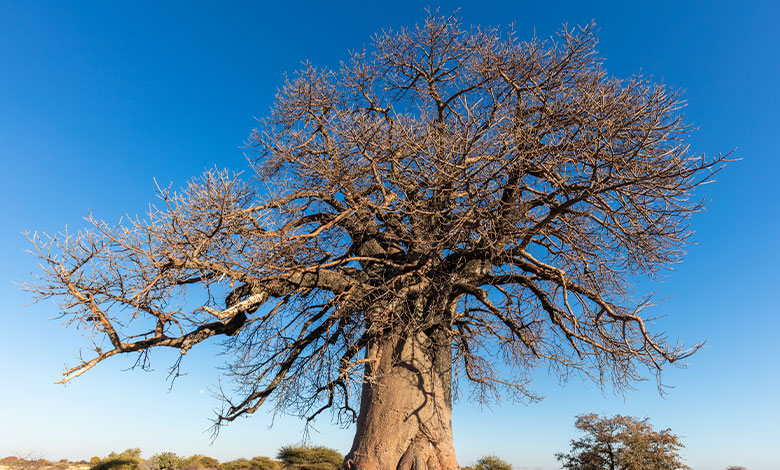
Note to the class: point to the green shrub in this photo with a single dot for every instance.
(238, 464)
(309, 458)
(132, 453)
(257, 463)
(264, 463)
(130, 459)
(491, 462)
(165, 461)
(200, 462)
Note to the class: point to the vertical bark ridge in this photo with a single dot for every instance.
(405, 414)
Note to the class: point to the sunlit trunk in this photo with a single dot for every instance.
(406, 409)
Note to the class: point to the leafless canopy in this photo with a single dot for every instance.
(449, 180)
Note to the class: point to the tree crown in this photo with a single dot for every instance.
(451, 181)
(622, 443)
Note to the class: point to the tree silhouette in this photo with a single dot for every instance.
(450, 200)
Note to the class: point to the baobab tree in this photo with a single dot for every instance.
(450, 206)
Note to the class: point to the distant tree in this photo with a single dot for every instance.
(622, 443)
(448, 201)
(309, 458)
(491, 462)
(736, 467)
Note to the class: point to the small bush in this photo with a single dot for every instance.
(130, 459)
(164, 461)
(238, 464)
(257, 463)
(200, 462)
(491, 462)
(264, 463)
(132, 453)
(309, 458)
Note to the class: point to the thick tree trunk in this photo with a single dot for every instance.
(405, 411)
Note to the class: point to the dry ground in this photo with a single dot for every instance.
(28, 465)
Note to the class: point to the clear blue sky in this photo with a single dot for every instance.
(99, 98)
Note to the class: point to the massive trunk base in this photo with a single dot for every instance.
(405, 411)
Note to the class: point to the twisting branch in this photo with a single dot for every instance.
(450, 182)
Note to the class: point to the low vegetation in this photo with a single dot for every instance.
(130, 459)
(619, 442)
(289, 458)
(36, 463)
(255, 463)
(309, 458)
(490, 462)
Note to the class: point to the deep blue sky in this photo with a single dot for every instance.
(99, 98)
